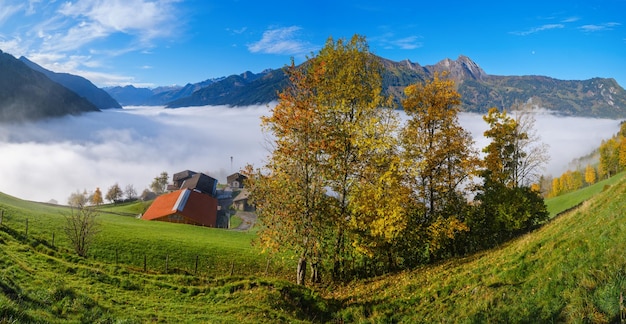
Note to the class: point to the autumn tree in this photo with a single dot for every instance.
(609, 157)
(439, 156)
(331, 134)
(500, 154)
(289, 196)
(557, 187)
(590, 175)
(356, 127)
(78, 199)
(114, 194)
(508, 206)
(159, 184)
(96, 198)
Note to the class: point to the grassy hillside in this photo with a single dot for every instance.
(573, 270)
(570, 270)
(564, 202)
(41, 285)
(157, 246)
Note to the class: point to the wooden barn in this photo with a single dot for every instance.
(185, 206)
(236, 180)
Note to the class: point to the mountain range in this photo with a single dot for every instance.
(30, 92)
(596, 97)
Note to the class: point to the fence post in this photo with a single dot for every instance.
(52, 239)
(1, 215)
(167, 261)
(232, 267)
(195, 272)
(144, 262)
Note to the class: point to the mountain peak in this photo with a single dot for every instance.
(461, 69)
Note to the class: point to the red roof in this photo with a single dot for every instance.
(184, 206)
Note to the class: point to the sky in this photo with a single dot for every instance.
(54, 158)
(175, 42)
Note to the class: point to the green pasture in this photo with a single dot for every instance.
(570, 270)
(566, 201)
(151, 246)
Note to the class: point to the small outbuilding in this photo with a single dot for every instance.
(184, 206)
(236, 180)
(241, 201)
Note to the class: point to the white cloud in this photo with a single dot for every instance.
(390, 41)
(538, 29)
(148, 19)
(282, 41)
(600, 27)
(407, 43)
(7, 11)
(237, 31)
(76, 64)
(129, 146)
(14, 46)
(66, 36)
(51, 159)
(570, 20)
(567, 137)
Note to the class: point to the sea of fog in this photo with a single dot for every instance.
(51, 159)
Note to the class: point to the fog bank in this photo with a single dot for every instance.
(53, 158)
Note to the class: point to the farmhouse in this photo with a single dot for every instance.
(193, 200)
(185, 206)
(236, 180)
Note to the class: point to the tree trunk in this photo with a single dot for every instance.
(301, 276)
(315, 275)
(338, 253)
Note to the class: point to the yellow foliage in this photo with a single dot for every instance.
(442, 231)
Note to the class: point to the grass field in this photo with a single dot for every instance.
(570, 270)
(155, 246)
(561, 203)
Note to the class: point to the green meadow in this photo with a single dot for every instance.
(572, 269)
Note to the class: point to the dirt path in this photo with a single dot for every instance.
(248, 220)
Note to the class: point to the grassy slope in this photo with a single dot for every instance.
(566, 201)
(573, 269)
(39, 284)
(217, 250)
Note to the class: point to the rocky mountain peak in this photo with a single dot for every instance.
(461, 69)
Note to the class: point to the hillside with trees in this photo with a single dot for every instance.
(351, 192)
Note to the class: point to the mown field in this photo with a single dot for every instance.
(570, 270)
(154, 246)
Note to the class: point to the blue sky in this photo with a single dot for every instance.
(153, 43)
